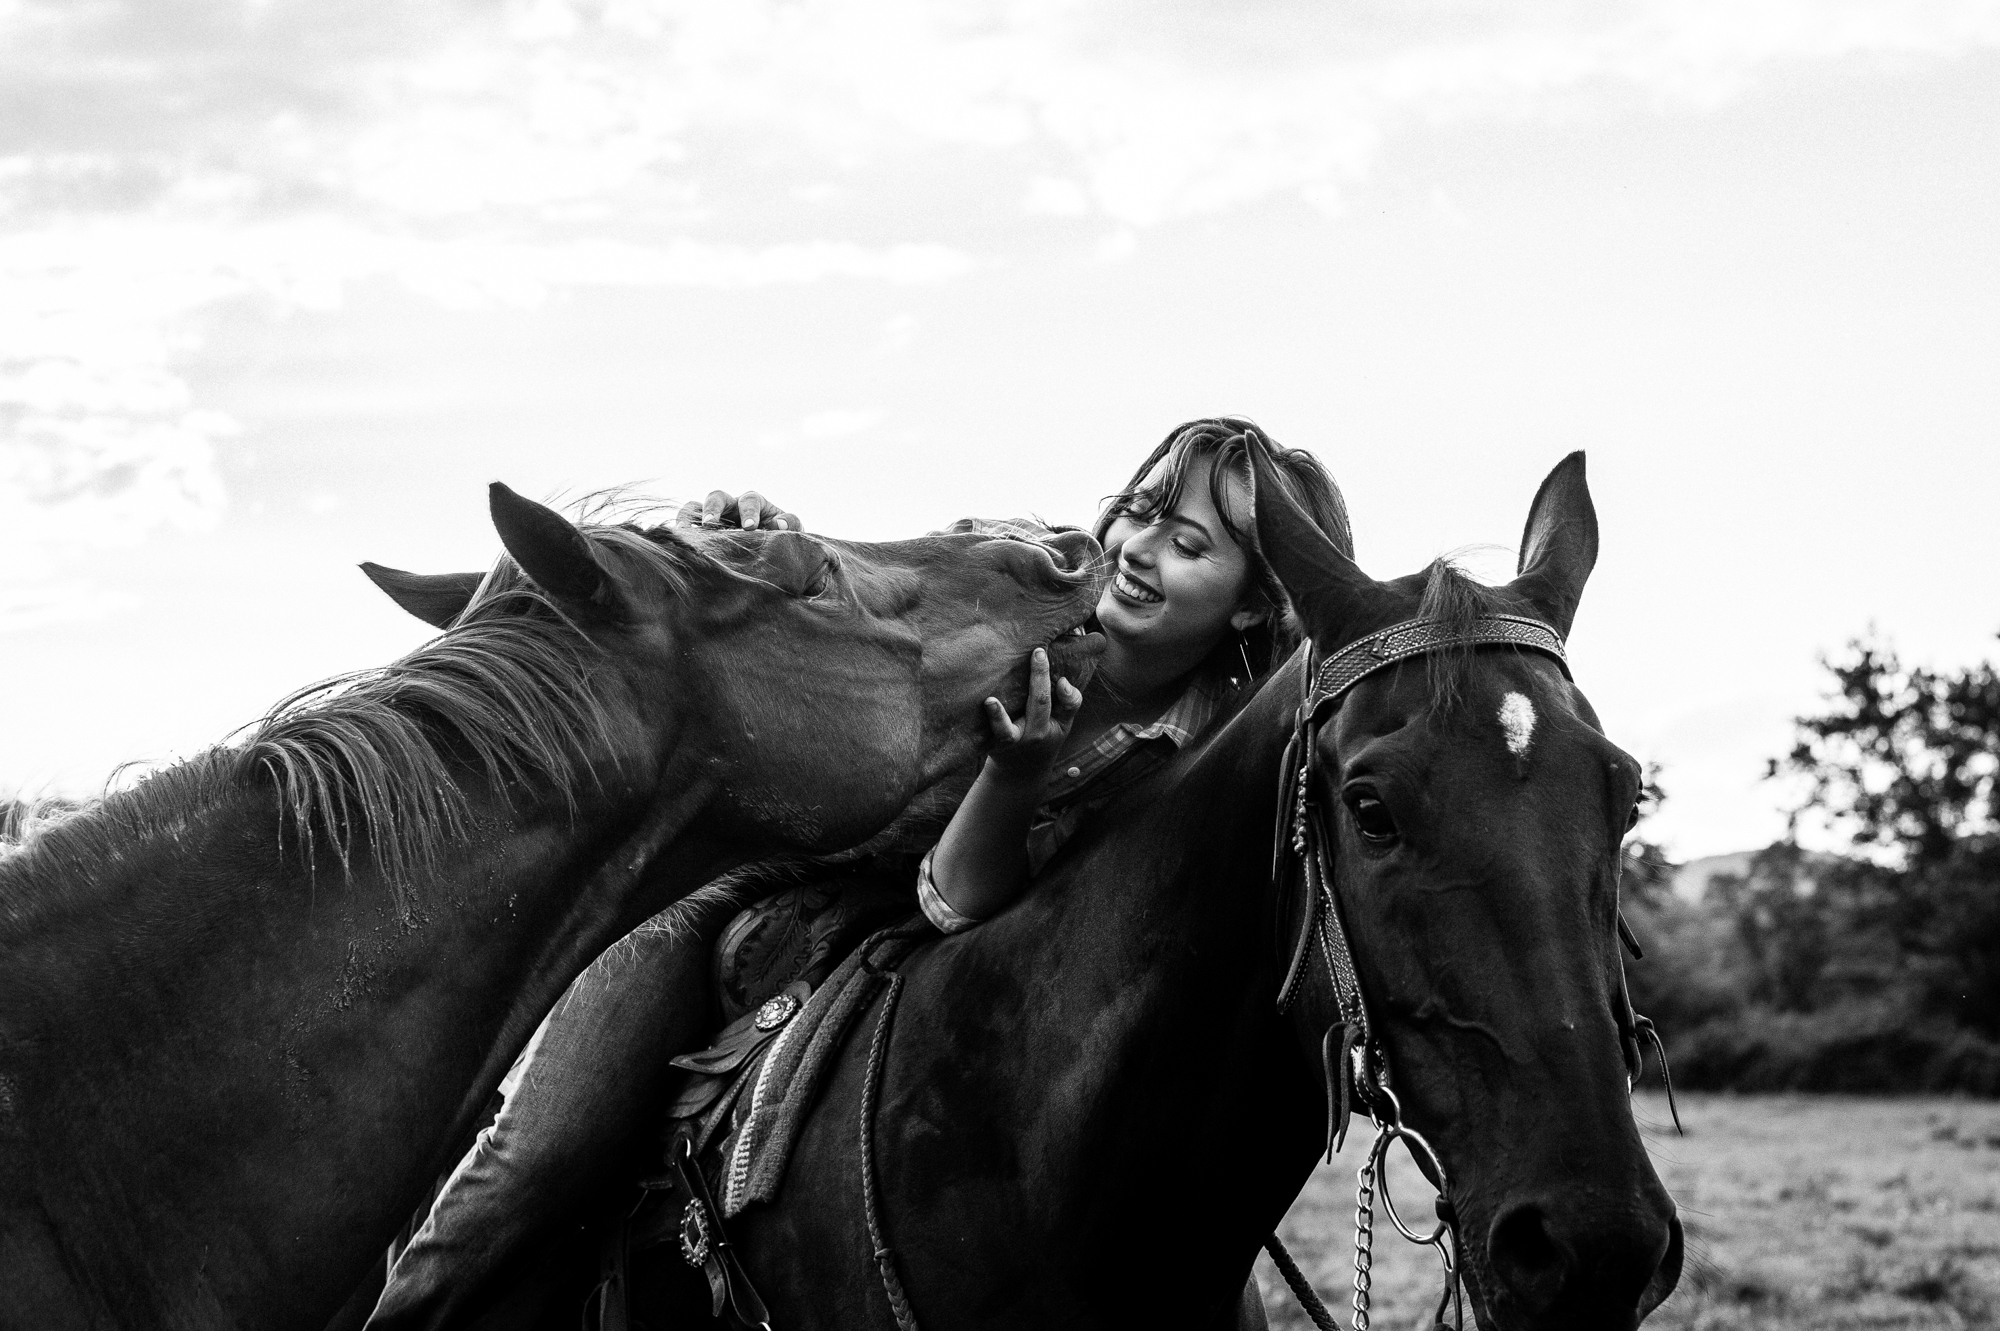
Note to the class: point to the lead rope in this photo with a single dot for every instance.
(885, 1256)
(1302, 1289)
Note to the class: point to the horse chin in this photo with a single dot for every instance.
(1075, 657)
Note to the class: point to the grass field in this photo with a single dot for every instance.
(1822, 1212)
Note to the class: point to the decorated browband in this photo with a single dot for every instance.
(1416, 637)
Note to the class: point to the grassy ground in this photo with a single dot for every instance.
(1802, 1212)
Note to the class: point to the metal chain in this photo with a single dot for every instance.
(1364, 1239)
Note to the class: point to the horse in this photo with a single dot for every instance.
(249, 1006)
(1090, 1111)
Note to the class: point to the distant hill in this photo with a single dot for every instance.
(1692, 880)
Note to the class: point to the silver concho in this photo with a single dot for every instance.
(776, 1012)
(696, 1237)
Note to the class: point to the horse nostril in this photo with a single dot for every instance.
(1526, 1258)
(1586, 1261)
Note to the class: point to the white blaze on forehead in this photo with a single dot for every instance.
(1517, 722)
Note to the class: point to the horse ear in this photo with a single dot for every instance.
(1328, 589)
(550, 549)
(1559, 545)
(435, 598)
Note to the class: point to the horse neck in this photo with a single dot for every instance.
(1158, 936)
(1182, 859)
(239, 1077)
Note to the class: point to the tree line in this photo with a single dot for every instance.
(1877, 969)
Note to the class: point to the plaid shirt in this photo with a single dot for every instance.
(1088, 779)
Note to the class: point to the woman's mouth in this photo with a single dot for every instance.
(1131, 589)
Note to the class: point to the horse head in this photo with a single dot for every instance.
(1471, 811)
(825, 683)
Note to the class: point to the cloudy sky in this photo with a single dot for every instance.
(284, 284)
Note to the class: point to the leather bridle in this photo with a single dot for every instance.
(1356, 1064)
(1351, 1056)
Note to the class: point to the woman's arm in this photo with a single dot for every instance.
(981, 864)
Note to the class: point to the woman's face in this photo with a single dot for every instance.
(1181, 579)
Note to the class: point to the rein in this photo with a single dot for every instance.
(1351, 1057)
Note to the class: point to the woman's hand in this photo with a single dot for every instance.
(748, 511)
(1024, 749)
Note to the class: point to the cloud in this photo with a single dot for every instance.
(159, 157)
(830, 423)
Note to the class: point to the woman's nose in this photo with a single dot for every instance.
(1137, 548)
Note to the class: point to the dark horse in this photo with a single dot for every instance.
(249, 1008)
(1091, 1111)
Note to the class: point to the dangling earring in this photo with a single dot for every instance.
(1243, 650)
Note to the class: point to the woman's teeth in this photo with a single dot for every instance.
(1138, 591)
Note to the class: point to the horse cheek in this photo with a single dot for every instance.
(822, 790)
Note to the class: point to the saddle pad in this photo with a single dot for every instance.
(791, 1068)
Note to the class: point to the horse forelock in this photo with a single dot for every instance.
(1456, 600)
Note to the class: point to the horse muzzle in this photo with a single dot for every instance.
(1557, 1265)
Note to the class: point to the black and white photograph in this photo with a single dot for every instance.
(820, 665)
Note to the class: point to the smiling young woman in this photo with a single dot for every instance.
(1190, 615)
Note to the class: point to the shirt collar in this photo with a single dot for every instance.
(1178, 725)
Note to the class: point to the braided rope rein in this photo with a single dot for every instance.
(885, 1256)
(1301, 1287)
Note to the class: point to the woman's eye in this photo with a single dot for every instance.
(1372, 819)
(1188, 549)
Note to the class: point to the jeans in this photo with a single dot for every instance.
(588, 1084)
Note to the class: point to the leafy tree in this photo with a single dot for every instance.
(1906, 759)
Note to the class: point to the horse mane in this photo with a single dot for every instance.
(1456, 600)
(376, 760)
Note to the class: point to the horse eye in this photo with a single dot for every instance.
(1371, 818)
(1632, 820)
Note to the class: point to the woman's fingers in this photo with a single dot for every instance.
(750, 511)
(1002, 725)
(1068, 698)
(1036, 719)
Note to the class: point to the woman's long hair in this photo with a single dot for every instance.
(1226, 440)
